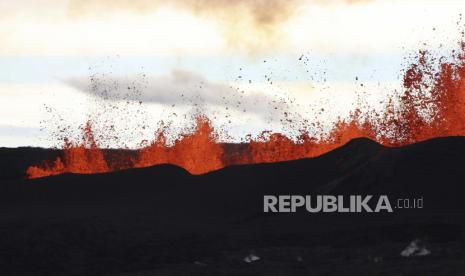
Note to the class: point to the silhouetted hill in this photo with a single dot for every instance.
(164, 221)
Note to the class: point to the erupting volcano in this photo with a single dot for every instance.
(432, 105)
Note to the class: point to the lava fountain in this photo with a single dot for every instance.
(439, 92)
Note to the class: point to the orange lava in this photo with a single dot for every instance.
(198, 153)
(84, 158)
(440, 91)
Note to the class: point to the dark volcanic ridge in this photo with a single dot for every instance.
(161, 220)
(359, 167)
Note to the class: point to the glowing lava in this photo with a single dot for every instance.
(83, 158)
(198, 153)
(438, 93)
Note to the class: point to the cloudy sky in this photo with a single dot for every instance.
(248, 65)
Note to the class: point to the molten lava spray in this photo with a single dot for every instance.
(198, 153)
(432, 105)
(83, 158)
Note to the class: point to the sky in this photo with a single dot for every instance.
(249, 66)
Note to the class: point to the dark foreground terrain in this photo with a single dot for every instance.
(164, 221)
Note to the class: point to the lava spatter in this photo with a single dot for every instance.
(431, 105)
